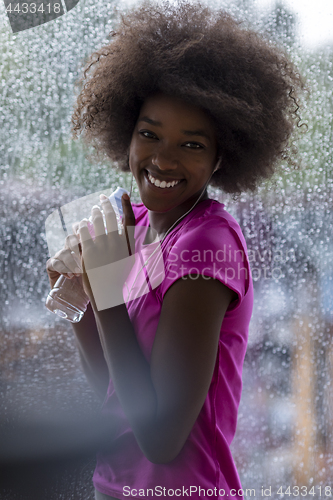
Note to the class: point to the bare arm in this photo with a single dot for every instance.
(91, 352)
(162, 400)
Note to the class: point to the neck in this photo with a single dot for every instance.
(162, 221)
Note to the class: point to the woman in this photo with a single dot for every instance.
(182, 97)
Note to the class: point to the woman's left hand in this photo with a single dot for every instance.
(107, 259)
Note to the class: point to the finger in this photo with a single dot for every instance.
(97, 220)
(52, 274)
(60, 267)
(70, 265)
(75, 227)
(110, 216)
(129, 217)
(85, 236)
(129, 222)
(72, 243)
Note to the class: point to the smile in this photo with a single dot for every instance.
(162, 184)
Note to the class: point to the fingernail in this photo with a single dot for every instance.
(103, 197)
(96, 206)
(125, 197)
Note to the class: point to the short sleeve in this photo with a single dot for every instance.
(211, 248)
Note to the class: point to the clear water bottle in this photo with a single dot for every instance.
(67, 298)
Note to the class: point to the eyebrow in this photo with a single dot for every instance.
(198, 132)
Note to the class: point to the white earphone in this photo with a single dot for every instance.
(217, 166)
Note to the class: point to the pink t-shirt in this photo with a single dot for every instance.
(207, 241)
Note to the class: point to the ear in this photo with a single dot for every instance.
(218, 164)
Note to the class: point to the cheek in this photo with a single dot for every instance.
(202, 170)
(136, 151)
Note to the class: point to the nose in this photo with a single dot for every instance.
(165, 158)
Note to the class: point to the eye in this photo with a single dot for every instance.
(194, 145)
(148, 134)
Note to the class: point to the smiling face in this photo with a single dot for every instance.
(173, 153)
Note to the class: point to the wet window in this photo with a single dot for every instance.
(285, 416)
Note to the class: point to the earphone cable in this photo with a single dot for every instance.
(168, 231)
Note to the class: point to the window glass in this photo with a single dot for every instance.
(285, 416)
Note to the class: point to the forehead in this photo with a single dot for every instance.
(168, 109)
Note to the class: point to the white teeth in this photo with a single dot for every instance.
(161, 184)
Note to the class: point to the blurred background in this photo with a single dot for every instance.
(284, 434)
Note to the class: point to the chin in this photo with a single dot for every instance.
(154, 206)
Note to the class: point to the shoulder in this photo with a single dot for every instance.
(210, 225)
(210, 244)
